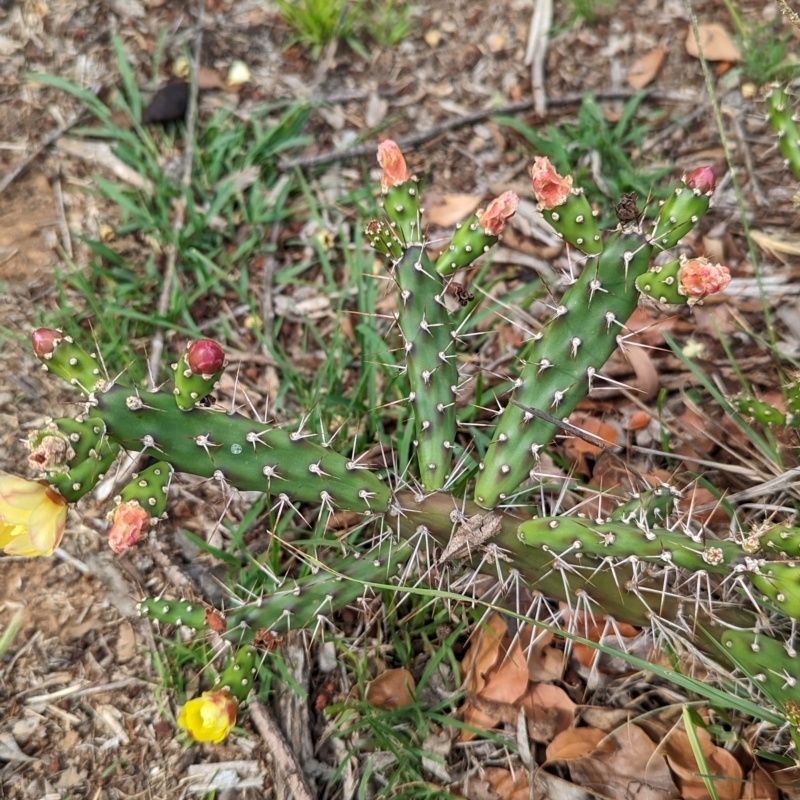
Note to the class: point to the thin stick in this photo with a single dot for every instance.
(416, 139)
(287, 765)
(157, 344)
(51, 137)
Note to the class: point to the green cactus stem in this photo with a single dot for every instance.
(183, 613)
(684, 280)
(427, 332)
(562, 364)
(774, 542)
(792, 394)
(249, 455)
(783, 122)
(196, 372)
(239, 675)
(383, 239)
(566, 208)
(60, 355)
(477, 235)
(759, 410)
(401, 201)
(680, 212)
(149, 489)
(85, 475)
(65, 441)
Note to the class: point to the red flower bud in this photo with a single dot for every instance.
(701, 180)
(205, 357)
(44, 341)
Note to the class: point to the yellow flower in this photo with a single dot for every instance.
(209, 718)
(32, 517)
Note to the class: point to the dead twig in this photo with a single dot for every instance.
(48, 139)
(541, 21)
(473, 118)
(286, 764)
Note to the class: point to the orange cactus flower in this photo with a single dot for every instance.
(129, 521)
(698, 277)
(32, 517)
(391, 159)
(210, 717)
(550, 188)
(499, 211)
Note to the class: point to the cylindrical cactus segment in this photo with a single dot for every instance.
(565, 208)
(792, 394)
(85, 475)
(430, 361)
(196, 372)
(780, 541)
(240, 674)
(661, 283)
(149, 489)
(401, 200)
(651, 507)
(759, 410)
(783, 122)
(779, 584)
(680, 212)
(248, 455)
(477, 235)
(576, 343)
(772, 665)
(175, 612)
(64, 442)
(684, 280)
(60, 355)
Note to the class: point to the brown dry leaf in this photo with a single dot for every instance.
(507, 786)
(715, 42)
(548, 710)
(721, 764)
(208, 78)
(645, 69)
(714, 248)
(647, 382)
(625, 765)
(394, 689)
(607, 434)
(759, 785)
(449, 209)
(545, 661)
(575, 743)
(482, 654)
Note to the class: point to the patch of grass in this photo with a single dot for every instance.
(316, 23)
(605, 158)
(588, 10)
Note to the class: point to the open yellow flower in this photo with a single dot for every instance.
(32, 517)
(210, 717)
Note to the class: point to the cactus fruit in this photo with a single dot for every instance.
(566, 208)
(61, 356)
(680, 212)
(196, 372)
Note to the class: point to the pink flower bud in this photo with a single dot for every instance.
(500, 210)
(44, 341)
(550, 188)
(699, 277)
(701, 180)
(205, 357)
(391, 159)
(128, 522)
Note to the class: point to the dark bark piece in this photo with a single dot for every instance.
(169, 104)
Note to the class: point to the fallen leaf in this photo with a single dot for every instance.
(645, 69)
(393, 689)
(574, 743)
(208, 78)
(446, 210)
(548, 710)
(507, 786)
(759, 785)
(715, 42)
(772, 244)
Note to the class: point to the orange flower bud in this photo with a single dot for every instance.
(699, 277)
(499, 211)
(550, 188)
(209, 718)
(391, 159)
(129, 522)
(32, 517)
